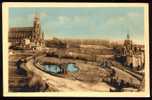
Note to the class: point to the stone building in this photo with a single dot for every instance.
(133, 55)
(23, 36)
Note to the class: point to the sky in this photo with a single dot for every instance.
(84, 23)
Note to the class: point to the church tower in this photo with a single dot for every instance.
(128, 44)
(36, 25)
(128, 51)
(36, 30)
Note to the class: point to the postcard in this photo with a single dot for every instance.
(75, 50)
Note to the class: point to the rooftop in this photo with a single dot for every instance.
(17, 29)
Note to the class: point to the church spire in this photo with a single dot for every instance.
(36, 23)
(128, 37)
(37, 18)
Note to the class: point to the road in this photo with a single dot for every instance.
(63, 84)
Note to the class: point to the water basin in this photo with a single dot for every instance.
(52, 68)
(56, 69)
(72, 68)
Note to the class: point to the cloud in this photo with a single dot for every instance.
(73, 19)
(114, 20)
(79, 18)
(63, 19)
(43, 14)
(134, 14)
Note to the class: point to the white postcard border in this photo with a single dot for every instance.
(5, 21)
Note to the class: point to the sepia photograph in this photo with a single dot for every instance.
(76, 50)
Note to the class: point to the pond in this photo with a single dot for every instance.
(53, 68)
(56, 69)
(72, 68)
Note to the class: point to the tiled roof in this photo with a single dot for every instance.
(17, 29)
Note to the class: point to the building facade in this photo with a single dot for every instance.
(23, 36)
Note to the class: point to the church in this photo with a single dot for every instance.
(23, 36)
(133, 55)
